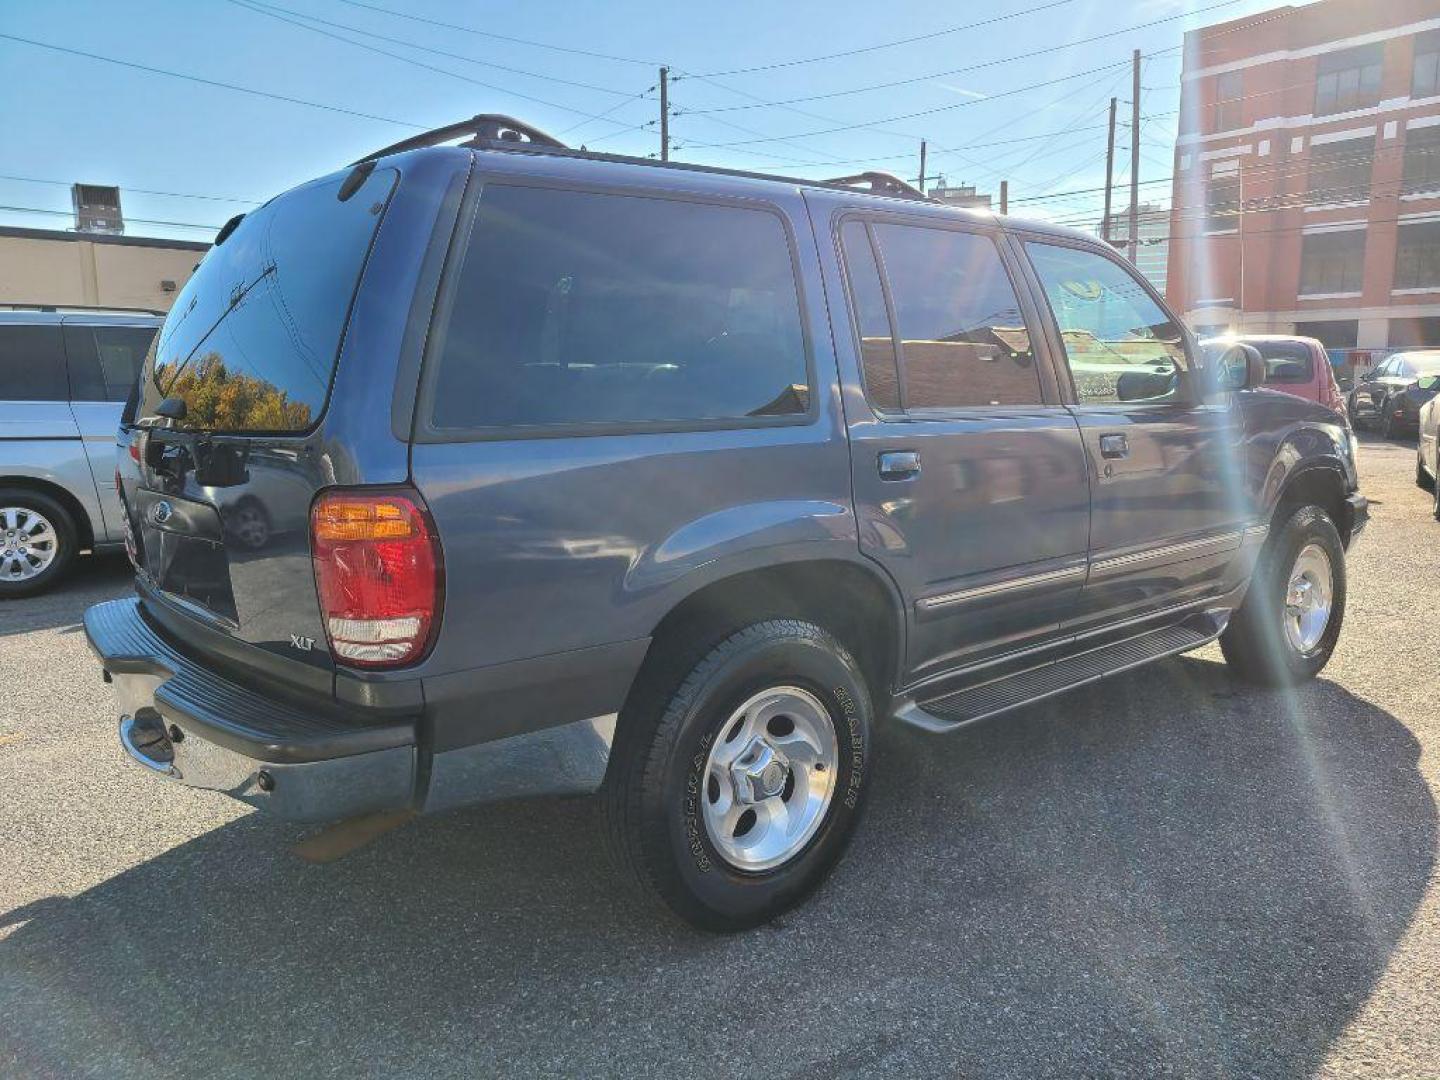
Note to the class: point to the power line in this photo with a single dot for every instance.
(882, 45)
(983, 65)
(213, 82)
(922, 112)
(280, 12)
(413, 62)
(136, 221)
(139, 191)
(501, 37)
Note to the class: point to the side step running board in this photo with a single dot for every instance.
(950, 711)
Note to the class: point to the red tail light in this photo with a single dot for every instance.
(378, 574)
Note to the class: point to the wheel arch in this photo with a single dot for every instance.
(850, 598)
(1319, 483)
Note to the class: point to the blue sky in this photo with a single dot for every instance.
(73, 118)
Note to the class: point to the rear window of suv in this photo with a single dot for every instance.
(1287, 361)
(577, 308)
(252, 340)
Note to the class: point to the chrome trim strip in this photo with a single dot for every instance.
(1253, 533)
(1168, 553)
(1030, 581)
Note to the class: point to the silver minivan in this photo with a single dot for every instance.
(65, 375)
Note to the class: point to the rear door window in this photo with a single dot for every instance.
(577, 308)
(253, 338)
(32, 364)
(963, 340)
(105, 361)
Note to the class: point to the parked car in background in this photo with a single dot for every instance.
(1379, 396)
(673, 483)
(1427, 452)
(65, 374)
(1296, 365)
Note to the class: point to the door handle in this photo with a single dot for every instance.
(1114, 446)
(899, 465)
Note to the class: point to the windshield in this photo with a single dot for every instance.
(251, 343)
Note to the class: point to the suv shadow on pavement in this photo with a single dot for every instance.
(1157, 875)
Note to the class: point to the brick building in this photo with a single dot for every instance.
(1307, 174)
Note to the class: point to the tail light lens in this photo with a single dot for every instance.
(378, 574)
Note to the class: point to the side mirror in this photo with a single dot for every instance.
(172, 408)
(1234, 365)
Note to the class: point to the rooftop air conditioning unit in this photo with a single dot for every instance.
(97, 209)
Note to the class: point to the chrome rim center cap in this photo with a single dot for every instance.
(759, 772)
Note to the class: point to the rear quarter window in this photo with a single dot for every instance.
(252, 341)
(576, 308)
(32, 364)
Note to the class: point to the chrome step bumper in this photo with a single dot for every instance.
(184, 722)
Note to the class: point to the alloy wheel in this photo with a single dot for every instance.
(770, 778)
(28, 543)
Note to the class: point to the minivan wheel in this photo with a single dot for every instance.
(1422, 478)
(37, 542)
(735, 784)
(1286, 630)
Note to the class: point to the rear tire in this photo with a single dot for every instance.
(1423, 479)
(697, 815)
(1278, 638)
(37, 542)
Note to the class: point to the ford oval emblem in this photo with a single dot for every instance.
(162, 512)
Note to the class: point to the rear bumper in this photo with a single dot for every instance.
(186, 723)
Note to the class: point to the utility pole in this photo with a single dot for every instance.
(1135, 164)
(665, 113)
(1004, 196)
(922, 166)
(1109, 174)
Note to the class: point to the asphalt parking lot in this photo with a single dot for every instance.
(1163, 875)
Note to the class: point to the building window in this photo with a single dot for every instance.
(1417, 257)
(1422, 161)
(1349, 79)
(1425, 76)
(1222, 204)
(1229, 103)
(1332, 333)
(1332, 262)
(1340, 171)
(1417, 333)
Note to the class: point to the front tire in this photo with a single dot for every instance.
(37, 542)
(1286, 630)
(736, 782)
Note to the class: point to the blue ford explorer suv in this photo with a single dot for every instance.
(585, 474)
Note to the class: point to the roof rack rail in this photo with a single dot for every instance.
(482, 128)
(881, 183)
(8, 305)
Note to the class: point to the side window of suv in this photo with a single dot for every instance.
(32, 364)
(963, 340)
(1120, 344)
(581, 308)
(105, 361)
